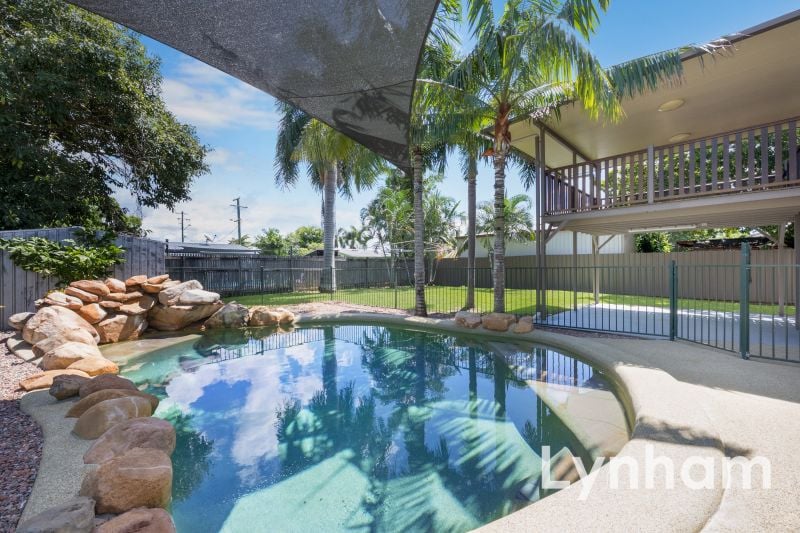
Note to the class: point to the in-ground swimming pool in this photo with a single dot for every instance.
(366, 428)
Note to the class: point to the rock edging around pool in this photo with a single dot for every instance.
(665, 421)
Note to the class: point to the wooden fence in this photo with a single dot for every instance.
(707, 274)
(20, 288)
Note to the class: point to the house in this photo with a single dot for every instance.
(719, 149)
(351, 253)
(560, 244)
(209, 248)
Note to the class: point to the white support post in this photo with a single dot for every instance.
(796, 271)
(542, 188)
(651, 174)
(575, 270)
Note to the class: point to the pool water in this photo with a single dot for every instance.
(357, 428)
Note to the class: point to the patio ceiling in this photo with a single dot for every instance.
(755, 83)
(349, 63)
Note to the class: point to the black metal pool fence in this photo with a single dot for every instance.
(745, 308)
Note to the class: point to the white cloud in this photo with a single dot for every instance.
(207, 98)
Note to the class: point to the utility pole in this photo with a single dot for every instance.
(238, 218)
(184, 225)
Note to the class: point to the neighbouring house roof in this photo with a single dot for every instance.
(352, 253)
(349, 64)
(755, 82)
(210, 248)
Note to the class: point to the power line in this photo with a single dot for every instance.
(184, 225)
(238, 218)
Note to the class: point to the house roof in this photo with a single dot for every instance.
(353, 253)
(755, 82)
(350, 64)
(210, 248)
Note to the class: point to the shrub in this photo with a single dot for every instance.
(87, 257)
(657, 242)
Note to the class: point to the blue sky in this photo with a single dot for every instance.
(239, 122)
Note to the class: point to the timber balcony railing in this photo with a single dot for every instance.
(759, 158)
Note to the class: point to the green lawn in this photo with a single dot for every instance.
(442, 299)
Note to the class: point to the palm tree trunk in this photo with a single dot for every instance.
(420, 309)
(329, 230)
(499, 273)
(472, 179)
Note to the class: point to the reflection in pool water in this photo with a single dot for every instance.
(358, 428)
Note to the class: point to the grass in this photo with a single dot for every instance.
(442, 299)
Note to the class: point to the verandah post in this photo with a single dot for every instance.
(744, 302)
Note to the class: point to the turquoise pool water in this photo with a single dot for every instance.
(357, 428)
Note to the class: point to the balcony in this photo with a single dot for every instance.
(757, 159)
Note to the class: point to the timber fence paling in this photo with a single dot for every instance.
(19, 289)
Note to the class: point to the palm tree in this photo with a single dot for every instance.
(525, 62)
(352, 238)
(517, 217)
(334, 162)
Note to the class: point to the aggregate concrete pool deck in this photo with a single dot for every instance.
(684, 402)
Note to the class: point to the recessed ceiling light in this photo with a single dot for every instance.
(679, 137)
(671, 105)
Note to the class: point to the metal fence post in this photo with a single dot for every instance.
(744, 302)
(673, 300)
(394, 283)
(332, 286)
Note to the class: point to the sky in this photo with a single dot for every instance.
(239, 122)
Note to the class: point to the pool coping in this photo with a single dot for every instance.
(682, 400)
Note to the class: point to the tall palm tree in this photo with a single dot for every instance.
(530, 59)
(334, 162)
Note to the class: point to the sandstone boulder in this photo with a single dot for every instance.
(66, 386)
(498, 321)
(17, 320)
(107, 381)
(52, 321)
(123, 297)
(115, 285)
(84, 404)
(156, 280)
(467, 319)
(120, 328)
(232, 315)
(139, 306)
(525, 325)
(63, 300)
(95, 366)
(135, 281)
(152, 288)
(170, 295)
(85, 297)
(139, 478)
(70, 352)
(44, 380)
(110, 304)
(92, 313)
(100, 417)
(73, 516)
(170, 283)
(197, 297)
(146, 432)
(50, 343)
(261, 315)
(139, 520)
(179, 316)
(93, 286)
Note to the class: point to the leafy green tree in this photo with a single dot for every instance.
(656, 242)
(305, 239)
(81, 116)
(245, 240)
(334, 161)
(271, 242)
(528, 60)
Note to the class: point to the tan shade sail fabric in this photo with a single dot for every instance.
(349, 63)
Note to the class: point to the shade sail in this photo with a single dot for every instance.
(349, 63)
